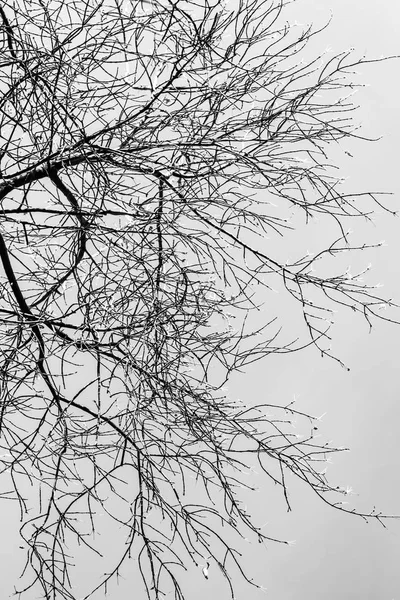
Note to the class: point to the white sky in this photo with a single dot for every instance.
(335, 555)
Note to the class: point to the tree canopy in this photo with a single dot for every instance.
(153, 155)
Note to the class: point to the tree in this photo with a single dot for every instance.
(142, 147)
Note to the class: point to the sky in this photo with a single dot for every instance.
(334, 555)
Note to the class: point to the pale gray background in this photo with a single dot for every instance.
(335, 555)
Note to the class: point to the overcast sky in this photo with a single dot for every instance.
(335, 555)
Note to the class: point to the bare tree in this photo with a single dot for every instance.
(152, 154)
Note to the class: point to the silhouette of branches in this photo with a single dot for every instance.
(151, 152)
